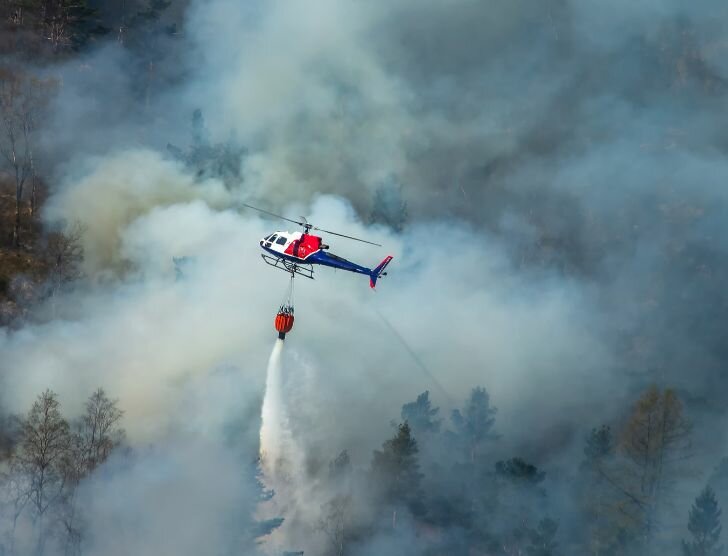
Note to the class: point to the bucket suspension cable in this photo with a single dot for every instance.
(284, 319)
(287, 303)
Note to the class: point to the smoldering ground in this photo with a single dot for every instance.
(562, 165)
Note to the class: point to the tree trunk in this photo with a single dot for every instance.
(16, 226)
(150, 78)
(19, 182)
(33, 198)
(40, 546)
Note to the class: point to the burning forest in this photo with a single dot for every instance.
(532, 361)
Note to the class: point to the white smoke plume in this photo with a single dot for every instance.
(166, 348)
(501, 149)
(107, 194)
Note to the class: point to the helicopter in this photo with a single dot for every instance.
(297, 252)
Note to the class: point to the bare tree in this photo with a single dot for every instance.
(21, 100)
(64, 253)
(15, 497)
(335, 522)
(42, 459)
(98, 431)
(51, 458)
(33, 188)
(655, 445)
(94, 437)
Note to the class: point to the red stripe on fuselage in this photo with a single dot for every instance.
(304, 247)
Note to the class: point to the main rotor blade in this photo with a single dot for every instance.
(273, 214)
(348, 237)
(305, 223)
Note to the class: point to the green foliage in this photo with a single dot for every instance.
(257, 528)
(421, 416)
(519, 472)
(340, 467)
(542, 538)
(719, 481)
(266, 526)
(598, 499)
(142, 28)
(220, 160)
(704, 526)
(396, 469)
(475, 423)
(389, 207)
(599, 445)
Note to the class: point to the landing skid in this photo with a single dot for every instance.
(288, 266)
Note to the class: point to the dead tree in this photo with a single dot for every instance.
(41, 461)
(21, 101)
(94, 437)
(64, 254)
(335, 523)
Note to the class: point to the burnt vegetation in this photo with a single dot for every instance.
(649, 482)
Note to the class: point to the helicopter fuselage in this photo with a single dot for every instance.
(296, 248)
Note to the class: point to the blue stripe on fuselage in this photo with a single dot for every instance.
(327, 259)
(323, 258)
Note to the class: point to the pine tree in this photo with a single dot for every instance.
(473, 425)
(340, 466)
(542, 539)
(421, 416)
(519, 498)
(519, 472)
(397, 470)
(719, 481)
(260, 528)
(597, 497)
(598, 447)
(211, 160)
(340, 474)
(388, 207)
(144, 32)
(704, 526)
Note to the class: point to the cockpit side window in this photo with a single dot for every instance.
(272, 238)
(281, 240)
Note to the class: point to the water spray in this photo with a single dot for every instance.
(273, 417)
(275, 432)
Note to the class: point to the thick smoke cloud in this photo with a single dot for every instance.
(120, 189)
(563, 166)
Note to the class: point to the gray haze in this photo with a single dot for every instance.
(563, 163)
